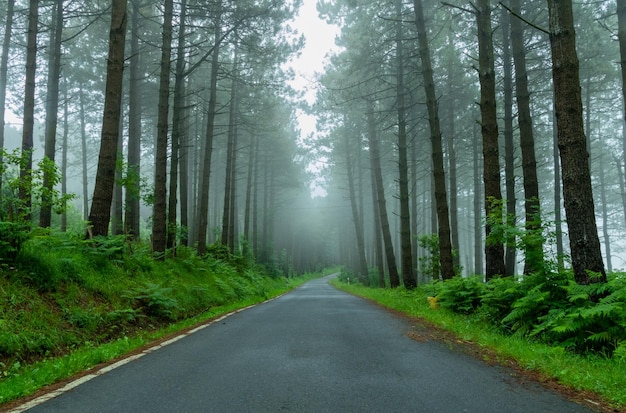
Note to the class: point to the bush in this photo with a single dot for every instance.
(461, 295)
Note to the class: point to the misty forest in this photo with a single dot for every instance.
(473, 148)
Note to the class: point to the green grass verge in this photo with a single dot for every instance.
(603, 376)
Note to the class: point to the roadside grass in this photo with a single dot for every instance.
(603, 376)
(67, 305)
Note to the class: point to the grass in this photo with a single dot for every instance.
(67, 305)
(603, 376)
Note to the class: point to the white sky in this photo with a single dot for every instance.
(319, 41)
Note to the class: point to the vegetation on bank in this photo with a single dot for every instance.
(549, 324)
(67, 304)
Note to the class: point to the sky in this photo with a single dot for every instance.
(319, 41)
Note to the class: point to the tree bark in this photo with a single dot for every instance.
(406, 257)
(509, 157)
(100, 212)
(534, 243)
(159, 216)
(443, 220)
(52, 110)
(133, 171)
(494, 250)
(394, 279)
(577, 193)
(66, 131)
(358, 228)
(179, 134)
(621, 35)
(83, 151)
(229, 176)
(203, 199)
(26, 166)
(4, 67)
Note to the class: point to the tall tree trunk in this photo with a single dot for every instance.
(52, 110)
(203, 199)
(533, 244)
(4, 67)
(509, 156)
(249, 184)
(179, 133)
(621, 35)
(478, 239)
(605, 213)
(117, 203)
(577, 193)
(83, 151)
(255, 201)
(229, 176)
(394, 279)
(406, 257)
(452, 169)
(358, 228)
(66, 132)
(29, 113)
(378, 241)
(441, 198)
(100, 212)
(558, 220)
(494, 250)
(159, 216)
(133, 172)
(185, 143)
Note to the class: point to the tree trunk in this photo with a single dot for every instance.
(179, 133)
(52, 110)
(100, 212)
(441, 198)
(494, 250)
(408, 268)
(4, 67)
(29, 113)
(605, 213)
(83, 147)
(621, 35)
(159, 216)
(509, 157)
(66, 131)
(358, 228)
(117, 203)
(378, 242)
(249, 184)
(558, 220)
(478, 239)
(229, 176)
(534, 243)
(577, 193)
(203, 199)
(133, 171)
(452, 168)
(394, 279)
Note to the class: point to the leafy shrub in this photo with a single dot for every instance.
(541, 294)
(498, 298)
(588, 323)
(154, 301)
(461, 295)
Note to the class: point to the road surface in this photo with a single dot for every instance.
(315, 349)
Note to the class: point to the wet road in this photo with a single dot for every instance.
(315, 349)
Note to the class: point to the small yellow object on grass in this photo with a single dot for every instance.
(433, 302)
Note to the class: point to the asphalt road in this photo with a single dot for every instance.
(315, 349)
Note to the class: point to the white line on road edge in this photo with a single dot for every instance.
(55, 393)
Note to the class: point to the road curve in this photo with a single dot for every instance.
(315, 349)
